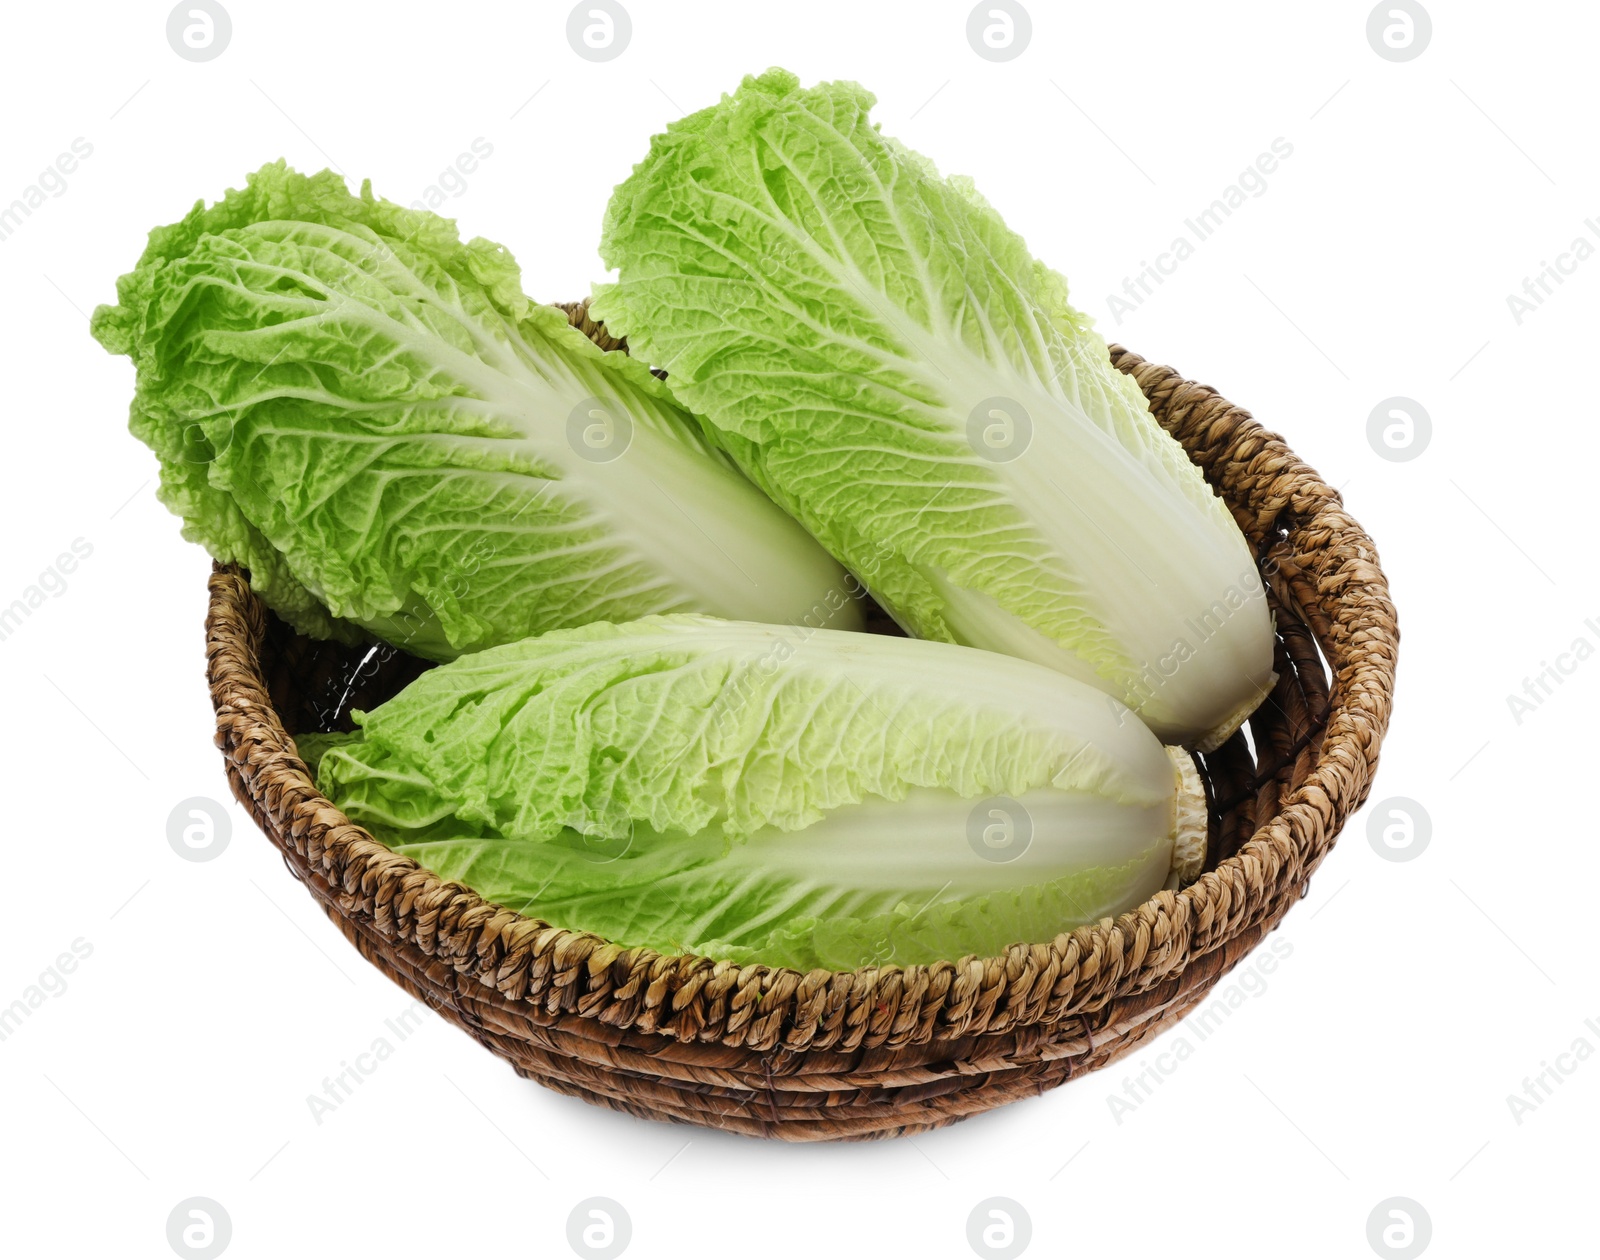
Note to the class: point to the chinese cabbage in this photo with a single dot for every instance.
(763, 794)
(888, 361)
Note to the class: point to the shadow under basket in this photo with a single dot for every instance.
(879, 1051)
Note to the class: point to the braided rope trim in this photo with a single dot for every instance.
(1037, 993)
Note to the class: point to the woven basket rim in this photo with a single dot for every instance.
(757, 1007)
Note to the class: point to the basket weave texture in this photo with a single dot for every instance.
(878, 1051)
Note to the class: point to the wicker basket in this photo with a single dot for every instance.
(878, 1051)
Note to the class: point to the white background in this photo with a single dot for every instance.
(1418, 995)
